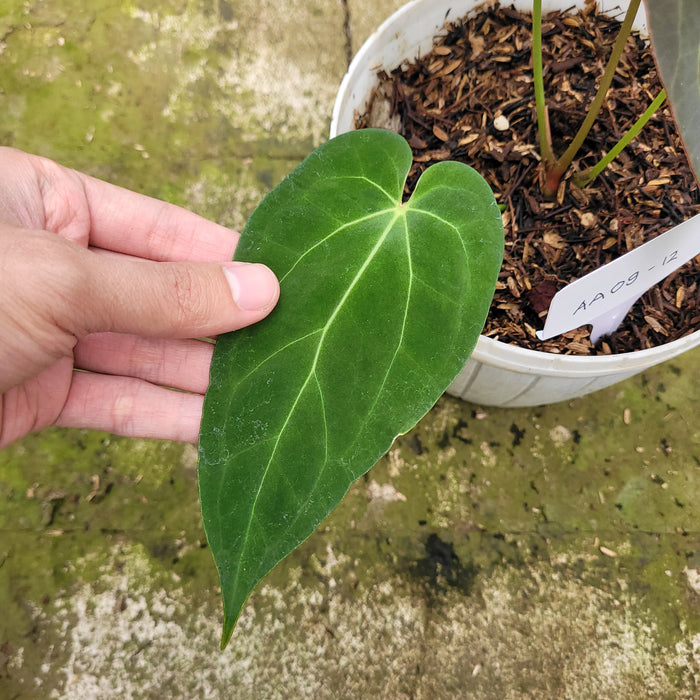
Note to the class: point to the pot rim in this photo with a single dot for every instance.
(514, 357)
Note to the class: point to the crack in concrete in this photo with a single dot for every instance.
(347, 29)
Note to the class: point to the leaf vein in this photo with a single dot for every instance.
(312, 373)
(374, 184)
(402, 333)
(331, 235)
(460, 237)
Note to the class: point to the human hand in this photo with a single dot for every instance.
(103, 291)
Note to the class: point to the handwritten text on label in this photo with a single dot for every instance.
(603, 297)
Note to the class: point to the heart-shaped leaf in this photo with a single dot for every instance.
(381, 305)
(674, 26)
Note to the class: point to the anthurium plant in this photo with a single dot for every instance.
(675, 32)
(381, 304)
(675, 35)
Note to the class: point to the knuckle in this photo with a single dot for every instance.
(61, 268)
(190, 300)
(70, 277)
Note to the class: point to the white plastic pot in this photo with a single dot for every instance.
(497, 374)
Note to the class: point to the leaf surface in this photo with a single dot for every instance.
(381, 305)
(674, 26)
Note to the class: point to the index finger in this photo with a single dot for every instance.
(132, 223)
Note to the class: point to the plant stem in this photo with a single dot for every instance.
(538, 77)
(590, 175)
(559, 168)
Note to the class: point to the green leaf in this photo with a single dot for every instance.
(674, 26)
(381, 305)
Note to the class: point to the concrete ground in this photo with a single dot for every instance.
(530, 553)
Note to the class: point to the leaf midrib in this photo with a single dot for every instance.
(398, 212)
(388, 371)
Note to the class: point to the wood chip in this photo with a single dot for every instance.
(659, 182)
(440, 133)
(451, 66)
(655, 324)
(555, 240)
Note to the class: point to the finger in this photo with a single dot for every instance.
(180, 364)
(175, 300)
(132, 223)
(131, 407)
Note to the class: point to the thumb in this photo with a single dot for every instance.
(55, 292)
(177, 299)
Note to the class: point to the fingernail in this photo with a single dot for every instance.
(253, 286)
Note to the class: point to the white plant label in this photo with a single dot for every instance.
(603, 297)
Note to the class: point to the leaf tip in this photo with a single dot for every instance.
(227, 631)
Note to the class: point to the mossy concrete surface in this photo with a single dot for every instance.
(531, 553)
